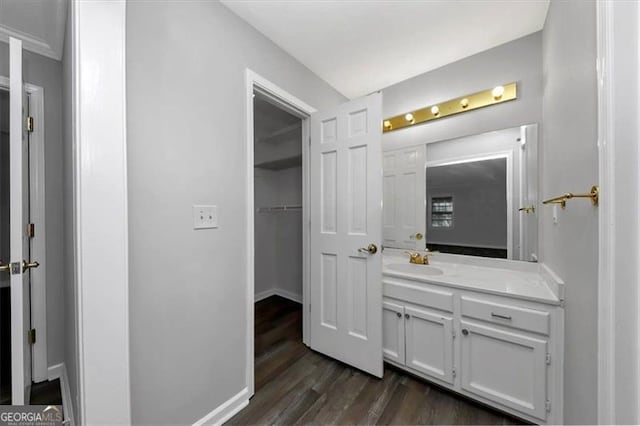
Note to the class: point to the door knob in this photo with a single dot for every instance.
(417, 236)
(465, 332)
(371, 249)
(29, 265)
(4, 266)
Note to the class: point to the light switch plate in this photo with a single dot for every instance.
(205, 217)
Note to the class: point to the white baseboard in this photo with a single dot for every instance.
(278, 292)
(59, 371)
(55, 371)
(264, 294)
(227, 410)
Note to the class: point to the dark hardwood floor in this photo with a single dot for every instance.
(46, 393)
(295, 385)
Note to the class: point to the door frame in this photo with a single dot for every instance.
(37, 214)
(293, 105)
(618, 86)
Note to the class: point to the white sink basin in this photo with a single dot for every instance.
(410, 268)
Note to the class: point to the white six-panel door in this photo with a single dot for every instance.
(19, 218)
(346, 214)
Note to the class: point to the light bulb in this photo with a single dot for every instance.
(435, 110)
(409, 117)
(497, 92)
(464, 103)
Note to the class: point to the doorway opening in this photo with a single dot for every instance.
(277, 217)
(278, 251)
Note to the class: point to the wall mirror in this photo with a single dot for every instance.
(474, 195)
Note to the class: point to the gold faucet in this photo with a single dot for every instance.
(419, 259)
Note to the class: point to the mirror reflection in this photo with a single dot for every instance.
(474, 195)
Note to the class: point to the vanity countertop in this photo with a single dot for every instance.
(520, 280)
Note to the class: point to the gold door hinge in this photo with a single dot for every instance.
(30, 124)
(31, 335)
(31, 230)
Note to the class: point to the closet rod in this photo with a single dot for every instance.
(278, 208)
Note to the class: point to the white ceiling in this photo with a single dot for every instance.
(359, 47)
(40, 24)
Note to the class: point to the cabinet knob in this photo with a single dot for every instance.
(407, 316)
(399, 314)
(465, 332)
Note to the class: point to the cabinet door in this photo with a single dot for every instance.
(429, 342)
(393, 332)
(505, 367)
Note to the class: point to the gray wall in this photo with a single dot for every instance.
(47, 73)
(70, 342)
(266, 224)
(479, 204)
(186, 145)
(278, 235)
(519, 60)
(281, 149)
(570, 163)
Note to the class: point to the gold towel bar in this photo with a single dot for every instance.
(562, 199)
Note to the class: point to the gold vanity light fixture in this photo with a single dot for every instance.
(496, 95)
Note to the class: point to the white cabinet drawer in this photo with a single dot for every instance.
(507, 315)
(418, 294)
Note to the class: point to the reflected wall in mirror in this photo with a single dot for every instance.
(474, 195)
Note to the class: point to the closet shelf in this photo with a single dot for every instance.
(278, 208)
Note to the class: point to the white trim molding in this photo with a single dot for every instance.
(30, 43)
(293, 105)
(278, 292)
(100, 210)
(606, 252)
(618, 86)
(226, 410)
(47, 40)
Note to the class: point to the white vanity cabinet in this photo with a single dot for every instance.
(429, 343)
(502, 351)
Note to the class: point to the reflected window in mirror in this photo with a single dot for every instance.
(442, 212)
